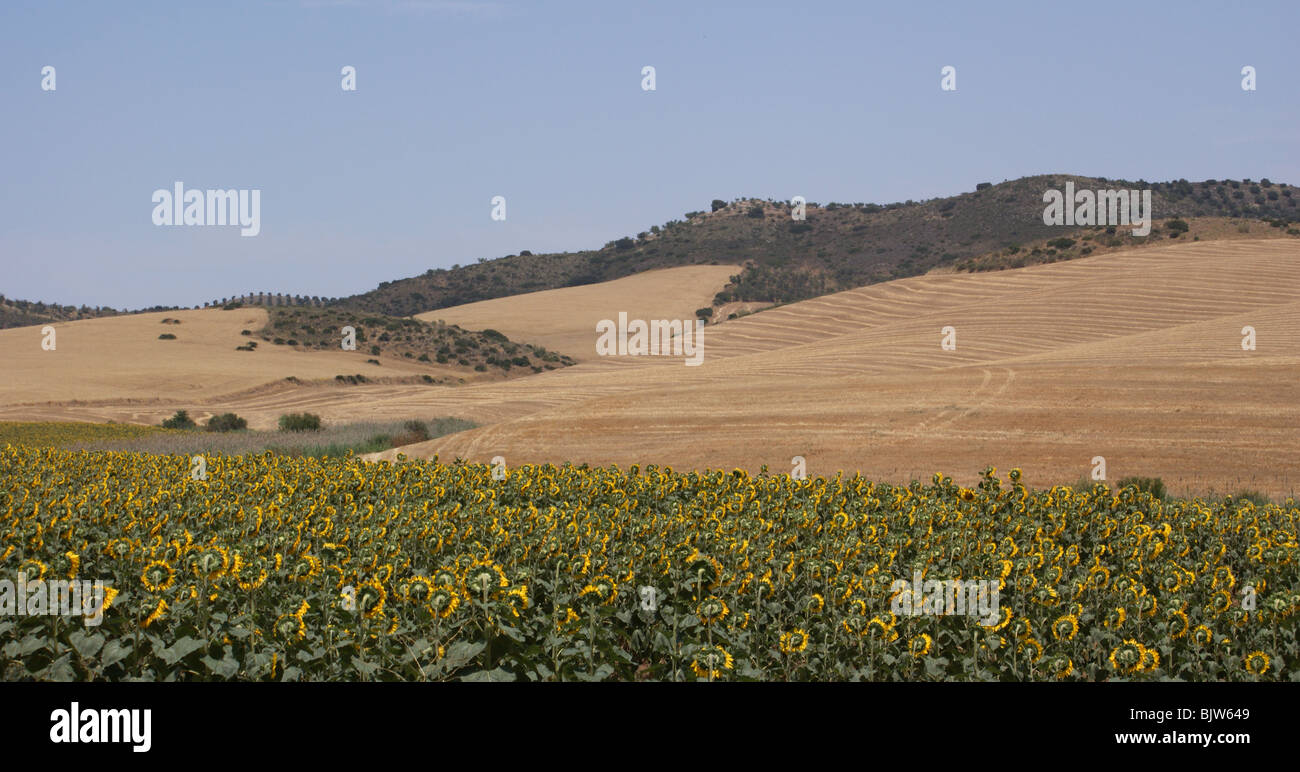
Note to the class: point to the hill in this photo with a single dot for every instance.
(1133, 356)
(837, 247)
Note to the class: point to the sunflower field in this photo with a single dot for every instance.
(282, 568)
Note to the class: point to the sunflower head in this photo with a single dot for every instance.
(1065, 628)
(712, 610)
(1127, 657)
(711, 662)
(157, 576)
(794, 641)
(1257, 662)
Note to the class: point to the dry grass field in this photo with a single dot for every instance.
(1134, 356)
(565, 319)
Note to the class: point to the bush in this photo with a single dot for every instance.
(180, 420)
(984, 186)
(624, 243)
(166, 336)
(1153, 485)
(718, 204)
(704, 313)
(1254, 497)
(1177, 226)
(1061, 243)
(226, 422)
(300, 422)
(755, 211)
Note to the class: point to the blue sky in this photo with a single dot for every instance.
(541, 102)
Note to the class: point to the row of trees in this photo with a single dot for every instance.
(273, 299)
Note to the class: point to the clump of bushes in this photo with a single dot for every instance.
(300, 422)
(226, 422)
(180, 420)
(166, 336)
(1153, 485)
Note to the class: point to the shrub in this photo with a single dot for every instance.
(1177, 226)
(718, 204)
(624, 243)
(1153, 485)
(300, 422)
(704, 313)
(166, 336)
(1254, 497)
(226, 422)
(755, 211)
(179, 420)
(984, 186)
(1061, 243)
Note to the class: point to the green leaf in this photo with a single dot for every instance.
(461, 652)
(86, 644)
(114, 651)
(500, 675)
(180, 650)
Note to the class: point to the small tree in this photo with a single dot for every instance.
(300, 422)
(226, 422)
(180, 420)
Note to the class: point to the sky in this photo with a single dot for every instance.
(542, 103)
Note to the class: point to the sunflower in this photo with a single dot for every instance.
(711, 661)
(32, 568)
(484, 574)
(157, 576)
(518, 599)
(569, 623)
(816, 603)
(600, 590)
(1031, 648)
(74, 564)
(1177, 620)
(443, 600)
(1257, 662)
(289, 627)
(920, 645)
(1150, 659)
(417, 589)
(1004, 618)
(794, 641)
(1060, 666)
(370, 599)
(712, 610)
(1127, 657)
(157, 613)
(1202, 635)
(212, 562)
(1065, 627)
(880, 628)
(1116, 617)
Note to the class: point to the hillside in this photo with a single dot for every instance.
(838, 246)
(1134, 356)
(565, 319)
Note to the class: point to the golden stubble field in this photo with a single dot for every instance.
(1133, 356)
